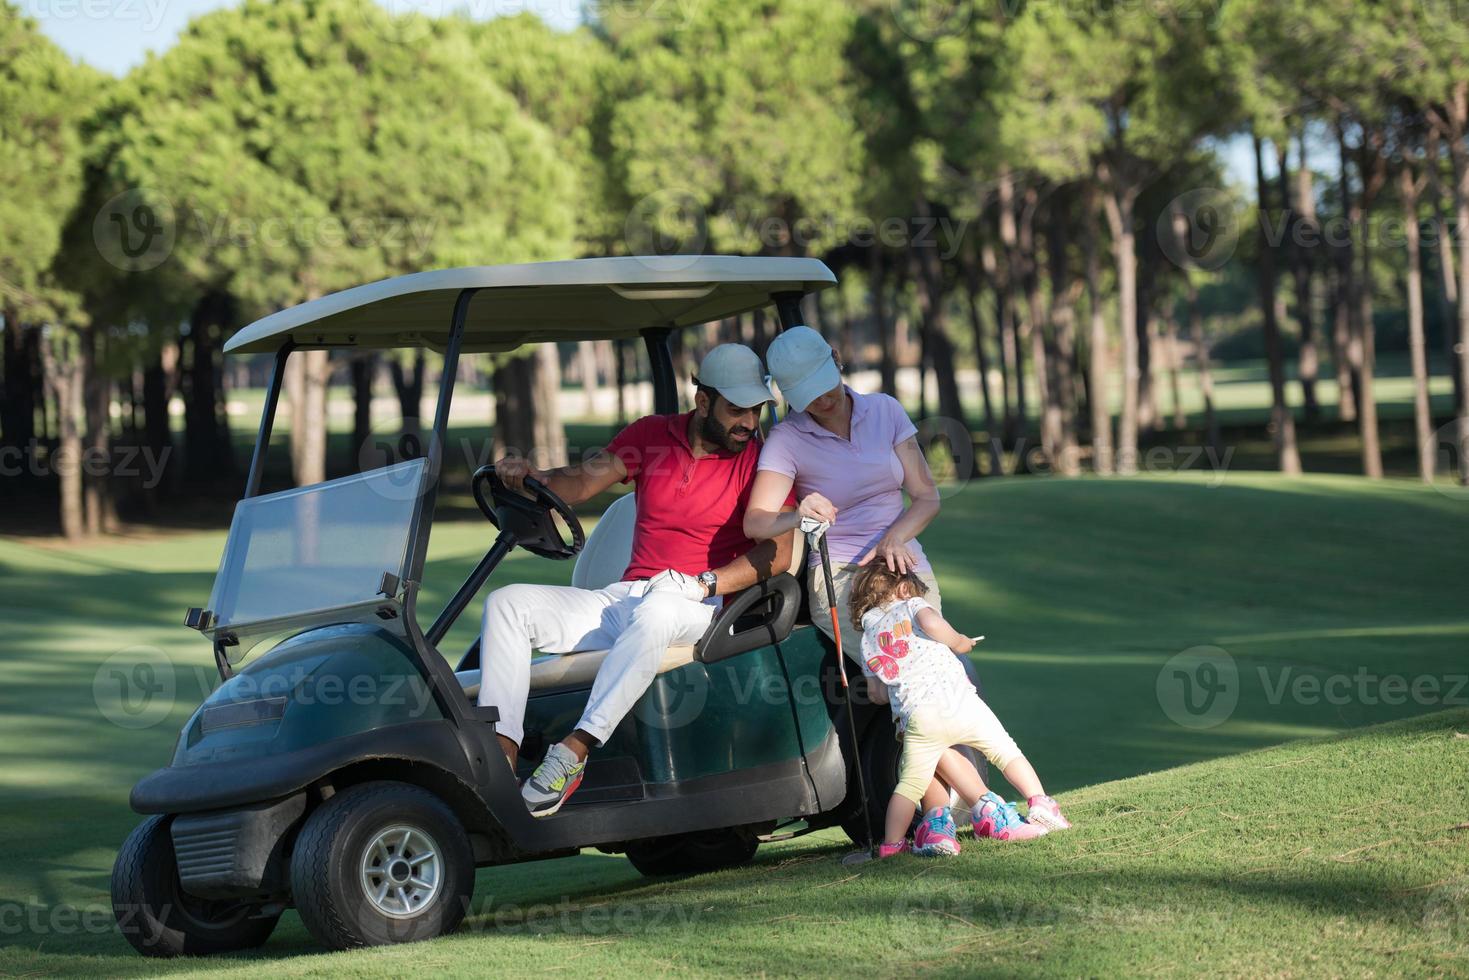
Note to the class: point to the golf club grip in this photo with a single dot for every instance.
(826, 570)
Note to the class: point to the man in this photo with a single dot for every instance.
(692, 473)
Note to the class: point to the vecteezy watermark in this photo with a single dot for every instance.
(929, 20)
(667, 229)
(135, 687)
(1450, 451)
(1200, 228)
(147, 12)
(1199, 688)
(37, 918)
(123, 462)
(1446, 915)
(135, 231)
(567, 916)
(1364, 687)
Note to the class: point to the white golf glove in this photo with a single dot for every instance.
(677, 583)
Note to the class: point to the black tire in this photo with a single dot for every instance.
(690, 854)
(159, 918)
(331, 863)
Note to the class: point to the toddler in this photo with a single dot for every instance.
(911, 648)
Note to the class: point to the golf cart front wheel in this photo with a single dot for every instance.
(381, 863)
(695, 853)
(159, 918)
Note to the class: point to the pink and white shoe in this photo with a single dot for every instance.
(886, 850)
(936, 836)
(998, 820)
(1044, 811)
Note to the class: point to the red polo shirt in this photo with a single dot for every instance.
(691, 511)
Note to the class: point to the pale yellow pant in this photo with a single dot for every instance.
(960, 720)
(842, 577)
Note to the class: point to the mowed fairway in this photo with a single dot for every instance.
(1338, 604)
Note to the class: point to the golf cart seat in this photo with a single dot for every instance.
(602, 561)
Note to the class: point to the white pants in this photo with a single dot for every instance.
(639, 630)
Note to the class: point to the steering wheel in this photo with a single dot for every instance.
(528, 519)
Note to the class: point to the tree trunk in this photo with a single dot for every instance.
(929, 281)
(1098, 366)
(1036, 320)
(1408, 191)
(1145, 325)
(1363, 339)
(1282, 419)
(851, 354)
(18, 406)
(1170, 325)
(1341, 334)
(408, 386)
(207, 451)
(1119, 202)
(527, 419)
(1301, 220)
(1062, 348)
(1458, 111)
(887, 368)
(61, 355)
(157, 435)
(101, 508)
(586, 359)
(1012, 349)
(364, 368)
(1448, 292)
(308, 373)
(619, 355)
(976, 323)
(1004, 336)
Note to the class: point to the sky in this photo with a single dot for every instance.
(115, 35)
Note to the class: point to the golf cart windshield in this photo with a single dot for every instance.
(316, 554)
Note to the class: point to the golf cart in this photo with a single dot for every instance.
(347, 769)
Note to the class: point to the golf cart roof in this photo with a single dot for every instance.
(579, 299)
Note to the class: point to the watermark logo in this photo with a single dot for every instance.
(1450, 451)
(135, 687)
(1446, 915)
(135, 230)
(667, 230)
(1199, 688)
(1200, 229)
(675, 699)
(929, 20)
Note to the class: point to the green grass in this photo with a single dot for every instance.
(1332, 854)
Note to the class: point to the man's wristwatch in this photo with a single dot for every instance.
(710, 582)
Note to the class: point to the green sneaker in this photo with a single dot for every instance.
(554, 780)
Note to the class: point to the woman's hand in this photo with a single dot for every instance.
(817, 507)
(893, 550)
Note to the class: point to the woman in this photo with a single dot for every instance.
(850, 458)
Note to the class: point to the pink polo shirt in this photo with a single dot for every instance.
(862, 476)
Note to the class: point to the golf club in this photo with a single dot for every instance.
(815, 532)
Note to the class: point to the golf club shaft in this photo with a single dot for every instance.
(836, 627)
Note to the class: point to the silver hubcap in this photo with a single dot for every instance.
(402, 871)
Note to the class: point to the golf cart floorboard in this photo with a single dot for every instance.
(777, 791)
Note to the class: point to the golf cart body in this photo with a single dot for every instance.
(348, 769)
